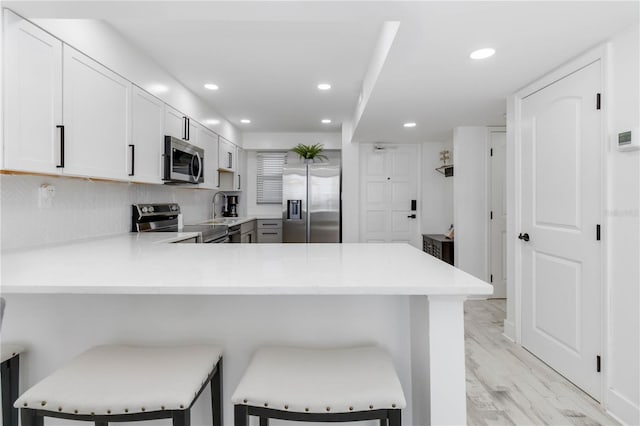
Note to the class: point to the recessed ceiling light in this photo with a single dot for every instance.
(213, 121)
(326, 121)
(245, 121)
(410, 124)
(482, 53)
(158, 88)
(324, 86)
(211, 86)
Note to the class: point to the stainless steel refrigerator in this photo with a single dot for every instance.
(311, 200)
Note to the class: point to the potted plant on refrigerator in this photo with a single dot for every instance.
(310, 152)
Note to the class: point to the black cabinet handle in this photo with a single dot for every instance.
(61, 165)
(412, 216)
(188, 128)
(269, 233)
(230, 158)
(524, 237)
(184, 128)
(218, 185)
(239, 181)
(133, 160)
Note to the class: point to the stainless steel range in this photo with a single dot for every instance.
(164, 218)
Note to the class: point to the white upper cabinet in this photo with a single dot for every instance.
(147, 138)
(226, 155)
(239, 177)
(174, 123)
(96, 104)
(32, 97)
(208, 140)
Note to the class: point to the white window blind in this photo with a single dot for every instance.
(270, 165)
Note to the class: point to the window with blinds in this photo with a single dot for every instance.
(270, 165)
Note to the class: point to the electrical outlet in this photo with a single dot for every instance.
(46, 193)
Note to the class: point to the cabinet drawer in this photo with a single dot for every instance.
(269, 223)
(269, 235)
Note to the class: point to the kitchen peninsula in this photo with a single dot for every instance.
(127, 288)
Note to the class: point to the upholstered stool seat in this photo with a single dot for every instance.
(345, 384)
(10, 376)
(127, 383)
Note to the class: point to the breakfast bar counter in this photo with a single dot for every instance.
(131, 288)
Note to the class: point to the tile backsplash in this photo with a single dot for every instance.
(83, 208)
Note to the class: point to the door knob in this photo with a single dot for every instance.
(412, 216)
(524, 236)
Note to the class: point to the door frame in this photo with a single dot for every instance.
(489, 202)
(513, 322)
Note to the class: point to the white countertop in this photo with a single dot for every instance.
(141, 264)
(229, 221)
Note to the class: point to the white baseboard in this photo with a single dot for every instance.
(509, 330)
(622, 409)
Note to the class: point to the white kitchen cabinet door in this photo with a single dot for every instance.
(208, 141)
(144, 157)
(33, 97)
(239, 178)
(174, 123)
(226, 155)
(96, 103)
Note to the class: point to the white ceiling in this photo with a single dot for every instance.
(267, 57)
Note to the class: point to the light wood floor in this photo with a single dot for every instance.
(506, 385)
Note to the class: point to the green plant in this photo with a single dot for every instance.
(310, 152)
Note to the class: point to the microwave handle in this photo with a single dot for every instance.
(197, 156)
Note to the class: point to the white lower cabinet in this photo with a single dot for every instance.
(32, 97)
(96, 105)
(269, 230)
(144, 157)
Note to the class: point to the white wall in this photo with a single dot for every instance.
(83, 208)
(470, 201)
(286, 141)
(622, 234)
(99, 41)
(350, 187)
(437, 191)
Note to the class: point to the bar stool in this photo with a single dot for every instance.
(319, 385)
(122, 383)
(10, 377)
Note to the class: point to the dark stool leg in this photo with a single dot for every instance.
(30, 418)
(182, 418)
(102, 423)
(264, 421)
(383, 422)
(216, 395)
(9, 374)
(241, 415)
(395, 417)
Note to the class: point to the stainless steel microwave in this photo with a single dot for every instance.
(183, 162)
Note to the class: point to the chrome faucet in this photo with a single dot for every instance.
(214, 201)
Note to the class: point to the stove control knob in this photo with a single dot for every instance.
(174, 207)
(144, 210)
(150, 209)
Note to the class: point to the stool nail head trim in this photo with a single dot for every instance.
(43, 403)
(126, 410)
(162, 407)
(371, 407)
(75, 411)
(144, 409)
(350, 408)
(181, 406)
(108, 411)
(244, 400)
(286, 407)
(59, 408)
(266, 404)
(306, 409)
(328, 408)
(93, 414)
(25, 404)
(393, 405)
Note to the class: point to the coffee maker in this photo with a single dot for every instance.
(231, 209)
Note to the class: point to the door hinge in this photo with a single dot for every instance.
(491, 215)
(598, 363)
(598, 232)
(491, 152)
(598, 100)
(491, 278)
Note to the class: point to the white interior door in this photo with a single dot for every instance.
(389, 181)
(498, 256)
(561, 207)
